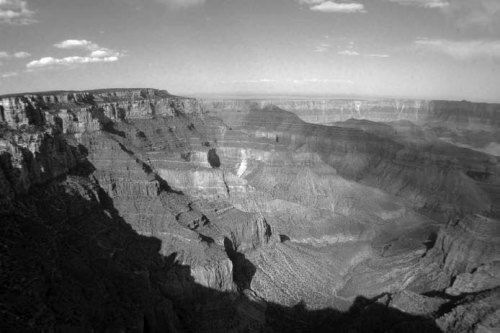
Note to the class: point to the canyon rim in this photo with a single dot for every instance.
(307, 170)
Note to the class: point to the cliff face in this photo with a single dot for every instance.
(471, 125)
(324, 111)
(432, 174)
(68, 150)
(32, 157)
(226, 215)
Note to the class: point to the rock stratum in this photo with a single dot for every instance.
(137, 210)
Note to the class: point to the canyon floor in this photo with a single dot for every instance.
(137, 210)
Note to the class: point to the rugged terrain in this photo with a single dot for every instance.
(137, 210)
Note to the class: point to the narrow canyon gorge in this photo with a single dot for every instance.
(134, 210)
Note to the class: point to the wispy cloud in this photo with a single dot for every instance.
(50, 61)
(375, 55)
(19, 55)
(333, 7)
(76, 44)
(424, 3)
(350, 50)
(95, 54)
(15, 12)
(8, 74)
(182, 3)
(350, 53)
(476, 13)
(462, 13)
(323, 47)
(462, 50)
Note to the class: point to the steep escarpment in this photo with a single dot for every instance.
(32, 157)
(433, 176)
(470, 125)
(460, 114)
(86, 187)
(145, 211)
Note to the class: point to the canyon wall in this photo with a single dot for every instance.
(471, 125)
(324, 111)
(240, 215)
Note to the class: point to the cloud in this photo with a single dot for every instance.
(8, 74)
(50, 61)
(349, 53)
(323, 47)
(348, 50)
(333, 7)
(424, 3)
(462, 50)
(21, 55)
(476, 13)
(182, 3)
(311, 2)
(374, 55)
(15, 12)
(100, 53)
(76, 44)
(95, 54)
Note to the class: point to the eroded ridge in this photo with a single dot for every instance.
(140, 210)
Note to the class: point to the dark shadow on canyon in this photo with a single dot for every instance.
(243, 269)
(93, 271)
(213, 158)
(71, 262)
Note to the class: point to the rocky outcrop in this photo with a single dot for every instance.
(464, 252)
(473, 241)
(32, 157)
(474, 313)
(483, 278)
(114, 183)
(64, 108)
(240, 216)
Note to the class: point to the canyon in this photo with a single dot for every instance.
(137, 210)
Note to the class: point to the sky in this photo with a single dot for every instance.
(434, 49)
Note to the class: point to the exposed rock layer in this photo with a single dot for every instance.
(246, 212)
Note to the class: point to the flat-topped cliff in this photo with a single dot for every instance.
(168, 213)
(324, 111)
(37, 108)
(471, 125)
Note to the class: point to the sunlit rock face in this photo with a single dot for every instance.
(465, 124)
(261, 211)
(451, 114)
(422, 169)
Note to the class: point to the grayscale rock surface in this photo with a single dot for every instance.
(136, 210)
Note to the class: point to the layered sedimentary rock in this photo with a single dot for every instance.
(458, 114)
(432, 175)
(251, 217)
(466, 124)
(465, 252)
(124, 190)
